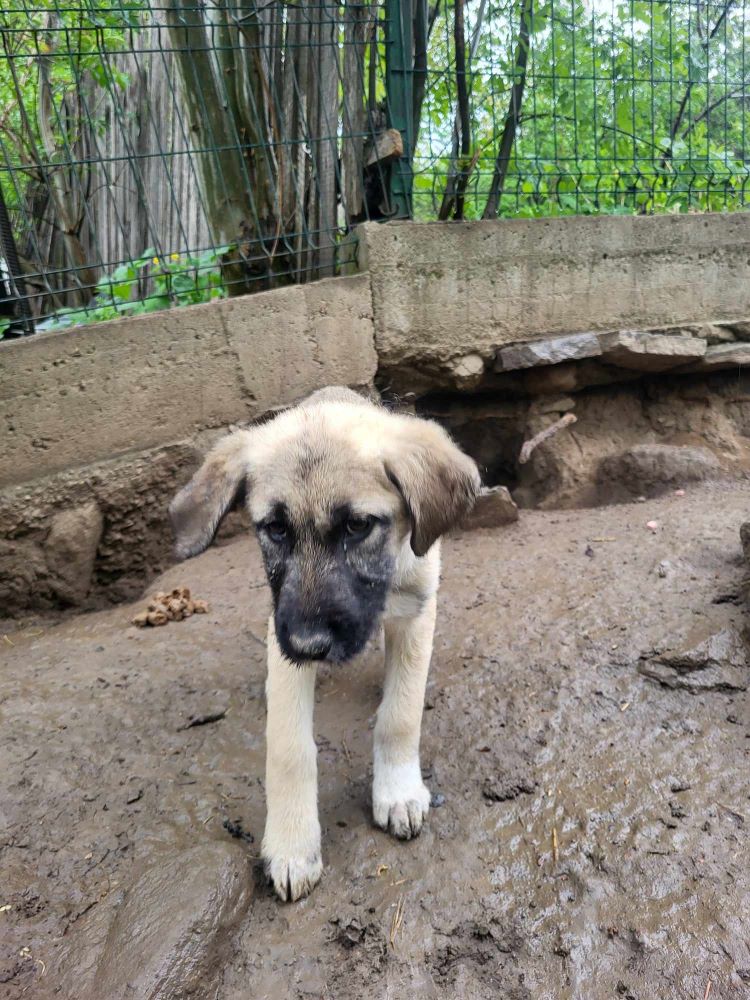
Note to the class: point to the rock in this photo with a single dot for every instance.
(719, 357)
(172, 929)
(712, 333)
(649, 352)
(504, 788)
(548, 352)
(652, 469)
(740, 328)
(494, 507)
(22, 567)
(467, 371)
(718, 663)
(70, 550)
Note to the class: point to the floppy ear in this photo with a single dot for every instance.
(197, 510)
(438, 482)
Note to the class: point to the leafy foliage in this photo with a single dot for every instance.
(149, 284)
(48, 49)
(636, 106)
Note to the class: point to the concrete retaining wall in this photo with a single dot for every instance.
(102, 423)
(446, 296)
(93, 393)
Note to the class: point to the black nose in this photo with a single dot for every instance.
(306, 644)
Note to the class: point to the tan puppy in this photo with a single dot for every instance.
(348, 502)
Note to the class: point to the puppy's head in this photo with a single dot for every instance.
(336, 488)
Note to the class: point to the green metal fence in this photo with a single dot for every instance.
(157, 154)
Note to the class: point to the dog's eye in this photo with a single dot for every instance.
(359, 527)
(277, 531)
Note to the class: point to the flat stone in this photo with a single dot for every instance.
(172, 929)
(649, 352)
(494, 507)
(718, 663)
(740, 328)
(712, 333)
(721, 356)
(651, 469)
(548, 352)
(70, 551)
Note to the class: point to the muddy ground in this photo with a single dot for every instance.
(591, 745)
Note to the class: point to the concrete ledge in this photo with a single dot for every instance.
(445, 291)
(92, 393)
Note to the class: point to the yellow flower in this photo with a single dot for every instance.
(174, 256)
(155, 261)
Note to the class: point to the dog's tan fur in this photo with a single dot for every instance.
(336, 448)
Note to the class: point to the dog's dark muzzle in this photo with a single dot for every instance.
(333, 631)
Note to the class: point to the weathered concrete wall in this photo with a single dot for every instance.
(101, 424)
(90, 394)
(445, 297)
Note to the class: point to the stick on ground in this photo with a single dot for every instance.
(531, 444)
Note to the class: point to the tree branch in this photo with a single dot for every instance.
(451, 184)
(514, 112)
(677, 122)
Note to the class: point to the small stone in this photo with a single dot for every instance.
(552, 351)
(70, 551)
(718, 663)
(649, 352)
(437, 800)
(680, 785)
(652, 525)
(467, 371)
(493, 508)
(722, 356)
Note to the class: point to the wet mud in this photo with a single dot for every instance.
(586, 738)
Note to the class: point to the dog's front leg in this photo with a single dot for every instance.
(291, 843)
(400, 798)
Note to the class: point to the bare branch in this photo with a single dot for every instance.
(514, 112)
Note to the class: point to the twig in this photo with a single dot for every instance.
(398, 919)
(555, 846)
(707, 994)
(532, 443)
(204, 720)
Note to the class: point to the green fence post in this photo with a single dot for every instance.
(399, 84)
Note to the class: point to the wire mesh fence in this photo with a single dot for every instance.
(158, 154)
(586, 106)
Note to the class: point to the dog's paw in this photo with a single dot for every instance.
(400, 809)
(294, 877)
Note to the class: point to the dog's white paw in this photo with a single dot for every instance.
(294, 877)
(400, 802)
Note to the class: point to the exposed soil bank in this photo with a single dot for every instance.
(587, 725)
